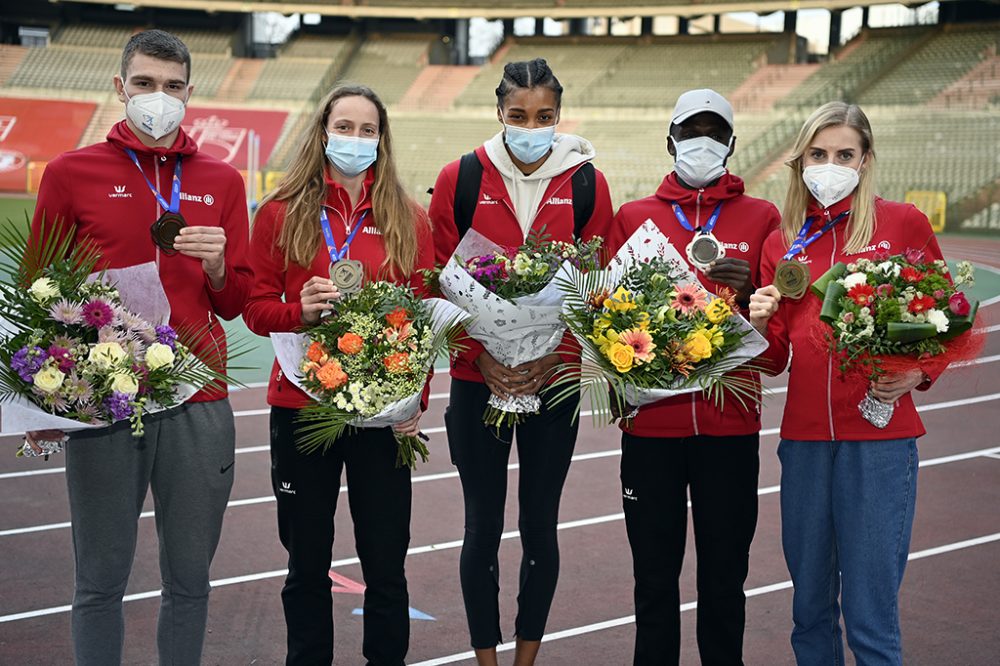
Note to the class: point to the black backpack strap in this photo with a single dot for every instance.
(470, 177)
(584, 194)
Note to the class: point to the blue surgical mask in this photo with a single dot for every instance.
(529, 145)
(350, 155)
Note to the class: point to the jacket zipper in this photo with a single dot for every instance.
(829, 370)
(697, 209)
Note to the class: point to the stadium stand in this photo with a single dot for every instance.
(67, 68)
(944, 59)
(388, 64)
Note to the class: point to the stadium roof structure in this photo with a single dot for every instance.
(494, 9)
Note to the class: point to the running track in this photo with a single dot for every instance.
(949, 601)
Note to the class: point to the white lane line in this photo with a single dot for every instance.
(514, 534)
(691, 605)
(33, 472)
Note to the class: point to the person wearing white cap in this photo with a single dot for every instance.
(687, 443)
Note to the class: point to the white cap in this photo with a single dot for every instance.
(697, 101)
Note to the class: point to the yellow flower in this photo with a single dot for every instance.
(715, 336)
(43, 290)
(620, 301)
(718, 311)
(621, 356)
(602, 323)
(159, 355)
(124, 382)
(642, 320)
(697, 345)
(49, 379)
(605, 339)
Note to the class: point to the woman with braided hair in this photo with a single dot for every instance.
(525, 178)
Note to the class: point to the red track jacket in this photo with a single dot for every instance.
(99, 191)
(274, 302)
(743, 225)
(494, 217)
(821, 404)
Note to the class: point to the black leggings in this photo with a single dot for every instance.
(544, 447)
(307, 488)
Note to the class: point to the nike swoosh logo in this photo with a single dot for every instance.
(226, 468)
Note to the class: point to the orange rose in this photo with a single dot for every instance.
(317, 353)
(397, 317)
(350, 343)
(399, 362)
(331, 376)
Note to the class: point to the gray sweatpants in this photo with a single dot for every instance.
(187, 456)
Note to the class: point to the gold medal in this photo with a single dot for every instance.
(703, 249)
(347, 276)
(791, 278)
(165, 231)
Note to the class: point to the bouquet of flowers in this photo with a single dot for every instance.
(80, 348)
(651, 331)
(515, 300)
(891, 313)
(366, 365)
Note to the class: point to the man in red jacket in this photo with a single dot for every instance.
(686, 441)
(147, 174)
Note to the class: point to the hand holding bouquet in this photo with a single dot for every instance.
(366, 365)
(515, 300)
(651, 331)
(78, 351)
(893, 313)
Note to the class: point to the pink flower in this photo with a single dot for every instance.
(688, 299)
(97, 313)
(62, 357)
(939, 294)
(66, 312)
(884, 290)
(847, 317)
(914, 256)
(641, 342)
(958, 304)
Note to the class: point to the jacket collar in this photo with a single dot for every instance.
(727, 187)
(124, 138)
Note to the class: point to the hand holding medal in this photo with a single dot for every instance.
(792, 277)
(347, 276)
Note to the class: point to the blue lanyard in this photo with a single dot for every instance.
(801, 242)
(175, 188)
(705, 228)
(331, 244)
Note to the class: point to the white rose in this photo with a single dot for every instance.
(159, 355)
(43, 290)
(124, 382)
(889, 268)
(853, 279)
(939, 319)
(106, 354)
(49, 379)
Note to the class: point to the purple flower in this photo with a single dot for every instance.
(62, 357)
(166, 335)
(97, 314)
(27, 361)
(118, 406)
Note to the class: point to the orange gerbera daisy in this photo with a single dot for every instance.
(331, 375)
(689, 299)
(396, 363)
(350, 343)
(641, 342)
(317, 352)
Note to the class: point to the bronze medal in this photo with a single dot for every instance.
(791, 278)
(347, 276)
(165, 231)
(703, 249)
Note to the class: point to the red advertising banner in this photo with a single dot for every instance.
(224, 133)
(34, 130)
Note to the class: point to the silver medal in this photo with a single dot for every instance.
(703, 249)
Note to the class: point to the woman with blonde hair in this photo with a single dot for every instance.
(341, 199)
(848, 488)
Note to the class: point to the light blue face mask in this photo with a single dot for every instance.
(529, 145)
(350, 155)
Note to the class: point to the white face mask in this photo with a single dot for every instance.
(830, 183)
(700, 160)
(156, 114)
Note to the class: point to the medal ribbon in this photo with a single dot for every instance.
(801, 242)
(705, 228)
(175, 189)
(331, 244)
